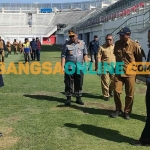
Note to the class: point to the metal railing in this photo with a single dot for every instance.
(145, 23)
(105, 17)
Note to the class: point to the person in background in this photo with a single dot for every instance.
(93, 47)
(8, 45)
(15, 44)
(27, 50)
(143, 53)
(38, 50)
(106, 55)
(33, 45)
(2, 49)
(20, 45)
(144, 140)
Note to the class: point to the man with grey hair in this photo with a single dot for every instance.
(106, 56)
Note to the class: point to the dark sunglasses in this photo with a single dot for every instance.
(109, 39)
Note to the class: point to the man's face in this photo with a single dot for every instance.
(109, 40)
(124, 37)
(95, 38)
(73, 38)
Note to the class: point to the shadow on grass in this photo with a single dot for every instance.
(83, 109)
(104, 111)
(45, 97)
(89, 110)
(88, 95)
(103, 133)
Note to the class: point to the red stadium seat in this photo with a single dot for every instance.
(142, 4)
(133, 9)
(124, 13)
(128, 11)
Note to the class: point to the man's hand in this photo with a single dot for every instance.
(62, 70)
(147, 82)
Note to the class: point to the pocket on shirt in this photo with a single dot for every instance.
(130, 56)
(119, 53)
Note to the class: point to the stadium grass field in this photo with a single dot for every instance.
(33, 115)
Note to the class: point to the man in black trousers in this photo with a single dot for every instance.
(145, 137)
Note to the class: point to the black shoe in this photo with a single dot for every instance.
(106, 98)
(68, 101)
(79, 101)
(116, 113)
(1, 134)
(111, 93)
(126, 116)
(140, 143)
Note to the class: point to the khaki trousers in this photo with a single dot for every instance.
(105, 80)
(129, 91)
(2, 55)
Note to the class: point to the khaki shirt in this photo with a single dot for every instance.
(106, 54)
(1, 45)
(8, 45)
(15, 44)
(127, 52)
(20, 45)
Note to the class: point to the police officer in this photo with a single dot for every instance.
(33, 45)
(145, 136)
(106, 55)
(126, 51)
(93, 47)
(75, 51)
(2, 49)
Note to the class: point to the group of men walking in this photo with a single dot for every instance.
(124, 50)
(31, 49)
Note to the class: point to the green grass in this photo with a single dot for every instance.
(33, 116)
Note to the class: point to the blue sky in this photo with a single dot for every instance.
(40, 1)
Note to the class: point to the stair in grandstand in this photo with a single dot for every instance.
(135, 26)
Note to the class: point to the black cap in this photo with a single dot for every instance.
(95, 36)
(124, 31)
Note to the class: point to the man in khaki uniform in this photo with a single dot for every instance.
(20, 47)
(2, 48)
(8, 45)
(15, 44)
(126, 51)
(105, 54)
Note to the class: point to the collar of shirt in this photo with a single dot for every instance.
(105, 45)
(128, 42)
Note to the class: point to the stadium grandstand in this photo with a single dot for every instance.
(134, 14)
(51, 22)
(45, 20)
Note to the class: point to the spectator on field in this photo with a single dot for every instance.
(33, 45)
(93, 47)
(38, 50)
(27, 50)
